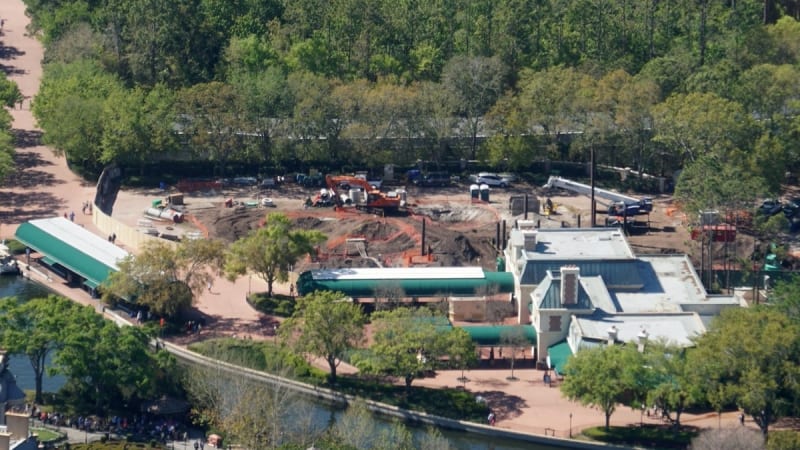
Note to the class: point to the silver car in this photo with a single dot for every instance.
(492, 180)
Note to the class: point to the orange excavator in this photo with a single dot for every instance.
(354, 191)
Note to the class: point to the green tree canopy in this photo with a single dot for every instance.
(604, 377)
(105, 365)
(325, 324)
(408, 342)
(166, 277)
(751, 357)
(35, 329)
(271, 250)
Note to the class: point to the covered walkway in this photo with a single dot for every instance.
(69, 249)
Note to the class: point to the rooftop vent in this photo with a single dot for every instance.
(529, 239)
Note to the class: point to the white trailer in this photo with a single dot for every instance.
(617, 204)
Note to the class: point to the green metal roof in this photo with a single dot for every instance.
(557, 355)
(493, 334)
(413, 282)
(56, 250)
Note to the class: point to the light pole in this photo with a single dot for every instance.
(570, 425)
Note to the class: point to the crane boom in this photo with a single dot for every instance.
(610, 199)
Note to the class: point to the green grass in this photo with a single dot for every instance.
(277, 305)
(650, 436)
(46, 435)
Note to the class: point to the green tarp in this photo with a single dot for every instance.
(557, 356)
(493, 334)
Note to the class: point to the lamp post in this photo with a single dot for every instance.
(570, 425)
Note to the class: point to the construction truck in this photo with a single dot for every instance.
(359, 193)
(617, 204)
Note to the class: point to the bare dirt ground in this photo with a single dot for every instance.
(458, 231)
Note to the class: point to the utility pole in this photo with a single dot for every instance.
(591, 177)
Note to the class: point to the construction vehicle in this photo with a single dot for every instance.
(617, 204)
(358, 192)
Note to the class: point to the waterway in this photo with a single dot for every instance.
(20, 366)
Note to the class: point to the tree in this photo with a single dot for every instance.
(475, 84)
(165, 278)
(711, 182)
(407, 343)
(252, 412)
(266, 106)
(211, 117)
(549, 100)
(271, 250)
(70, 108)
(358, 429)
(325, 324)
(750, 356)
(514, 339)
(9, 95)
(702, 124)
(603, 377)
(672, 386)
(35, 328)
(105, 365)
(461, 353)
(138, 126)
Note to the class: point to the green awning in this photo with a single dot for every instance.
(90, 284)
(493, 334)
(557, 356)
(48, 260)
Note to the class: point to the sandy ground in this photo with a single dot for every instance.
(43, 186)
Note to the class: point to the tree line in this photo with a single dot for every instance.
(656, 86)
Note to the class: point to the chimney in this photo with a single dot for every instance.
(529, 240)
(17, 425)
(5, 440)
(612, 335)
(569, 285)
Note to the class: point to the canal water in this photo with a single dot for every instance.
(20, 366)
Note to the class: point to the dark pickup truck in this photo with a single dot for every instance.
(433, 179)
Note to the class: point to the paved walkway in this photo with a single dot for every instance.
(44, 187)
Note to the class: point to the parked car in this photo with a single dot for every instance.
(791, 207)
(770, 207)
(433, 179)
(492, 180)
(510, 177)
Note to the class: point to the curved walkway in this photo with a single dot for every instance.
(43, 186)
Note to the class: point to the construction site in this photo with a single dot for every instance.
(407, 226)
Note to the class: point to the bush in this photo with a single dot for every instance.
(278, 305)
(647, 436)
(15, 247)
(737, 438)
(784, 439)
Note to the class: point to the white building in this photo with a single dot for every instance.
(583, 287)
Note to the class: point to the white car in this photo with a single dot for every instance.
(492, 180)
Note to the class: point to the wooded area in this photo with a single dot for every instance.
(288, 85)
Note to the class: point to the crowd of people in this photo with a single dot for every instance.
(145, 426)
